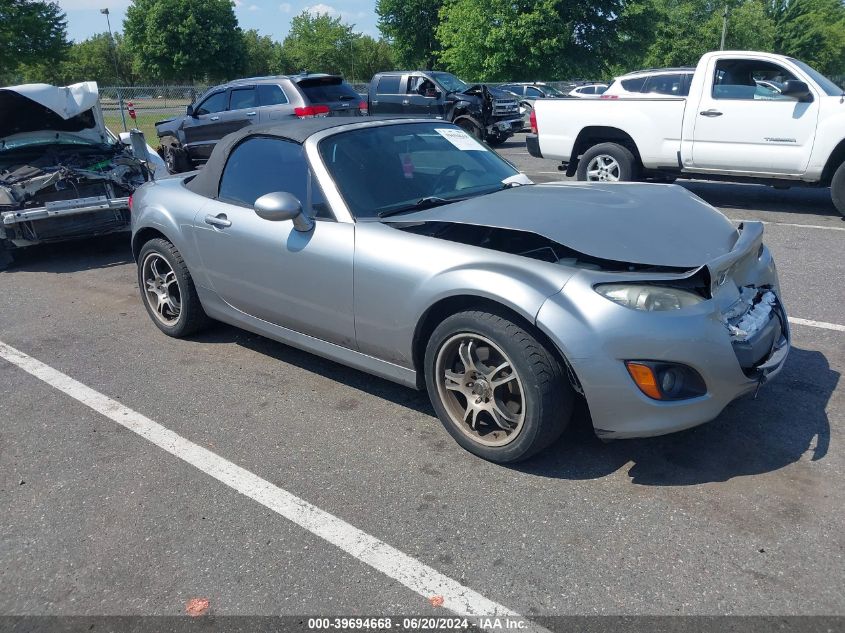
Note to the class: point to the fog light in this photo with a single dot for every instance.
(666, 381)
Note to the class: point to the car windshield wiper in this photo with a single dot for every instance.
(423, 203)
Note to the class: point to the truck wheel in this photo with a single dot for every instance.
(471, 128)
(175, 156)
(496, 389)
(607, 162)
(837, 189)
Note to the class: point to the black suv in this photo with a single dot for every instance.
(186, 141)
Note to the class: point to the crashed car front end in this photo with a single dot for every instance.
(62, 174)
(663, 369)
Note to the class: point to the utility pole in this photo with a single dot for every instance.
(112, 46)
(724, 27)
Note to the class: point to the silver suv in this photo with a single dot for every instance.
(653, 82)
(186, 141)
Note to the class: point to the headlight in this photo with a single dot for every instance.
(648, 298)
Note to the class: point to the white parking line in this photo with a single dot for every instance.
(397, 565)
(803, 226)
(820, 324)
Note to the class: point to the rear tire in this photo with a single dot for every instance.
(607, 162)
(496, 389)
(168, 291)
(837, 189)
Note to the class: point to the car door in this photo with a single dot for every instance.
(268, 270)
(243, 109)
(741, 126)
(420, 96)
(202, 130)
(273, 103)
(389, 95)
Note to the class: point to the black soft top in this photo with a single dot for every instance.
(206, 182)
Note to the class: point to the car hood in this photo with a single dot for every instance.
(38, 108)
(653, 225)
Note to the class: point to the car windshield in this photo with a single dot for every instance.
(392, 168)
(826, 84)
(450, 82)
(553, 92)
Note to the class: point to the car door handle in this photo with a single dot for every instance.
(711, 112)
(405, 102)
(214, 118)
(250, 113)
(218, 220)
(374, 102)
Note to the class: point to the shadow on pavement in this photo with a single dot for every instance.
(750, 437)
(797, 200)
(367, 383)
(67, 257)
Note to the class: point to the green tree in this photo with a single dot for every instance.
(371, 56)
(31, 33)
(811, 30)
(261, 54)
(319, 43)
(494, 40)
(686, 29)
(93, 59)
(185, 39)
(411, 26)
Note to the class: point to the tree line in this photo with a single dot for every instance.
(178, 41)
(187, 41)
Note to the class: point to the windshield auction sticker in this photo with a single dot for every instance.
(460, 139)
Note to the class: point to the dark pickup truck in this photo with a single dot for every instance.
(487, 113)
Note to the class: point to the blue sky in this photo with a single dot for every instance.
(270, 17)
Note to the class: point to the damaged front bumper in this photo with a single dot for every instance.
(504, 128)
(735, 341)
(61, 219)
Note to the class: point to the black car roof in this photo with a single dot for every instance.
(297, 130)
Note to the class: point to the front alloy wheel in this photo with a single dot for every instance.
(480, 389)
(498, 391)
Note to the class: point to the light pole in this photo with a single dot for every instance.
(112, 46)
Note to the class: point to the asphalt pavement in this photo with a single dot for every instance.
(740, 516)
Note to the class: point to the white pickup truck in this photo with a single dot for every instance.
(753, 117)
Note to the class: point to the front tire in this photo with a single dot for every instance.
(471, 128)
(496, 389)
(837, 189)
(175, 156)
(168, 291)
(607, 162)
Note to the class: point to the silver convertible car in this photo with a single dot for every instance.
(409, 250)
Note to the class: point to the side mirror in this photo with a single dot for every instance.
(797, 89)
(189, 110)
(279, 206)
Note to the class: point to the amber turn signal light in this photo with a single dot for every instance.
(644, 376)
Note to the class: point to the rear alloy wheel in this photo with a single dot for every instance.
(837, 189)
(496, 389)
(168, 291)
(607, 162)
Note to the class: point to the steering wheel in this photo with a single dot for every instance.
(453, 171)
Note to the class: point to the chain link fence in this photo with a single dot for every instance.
(142, 106)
